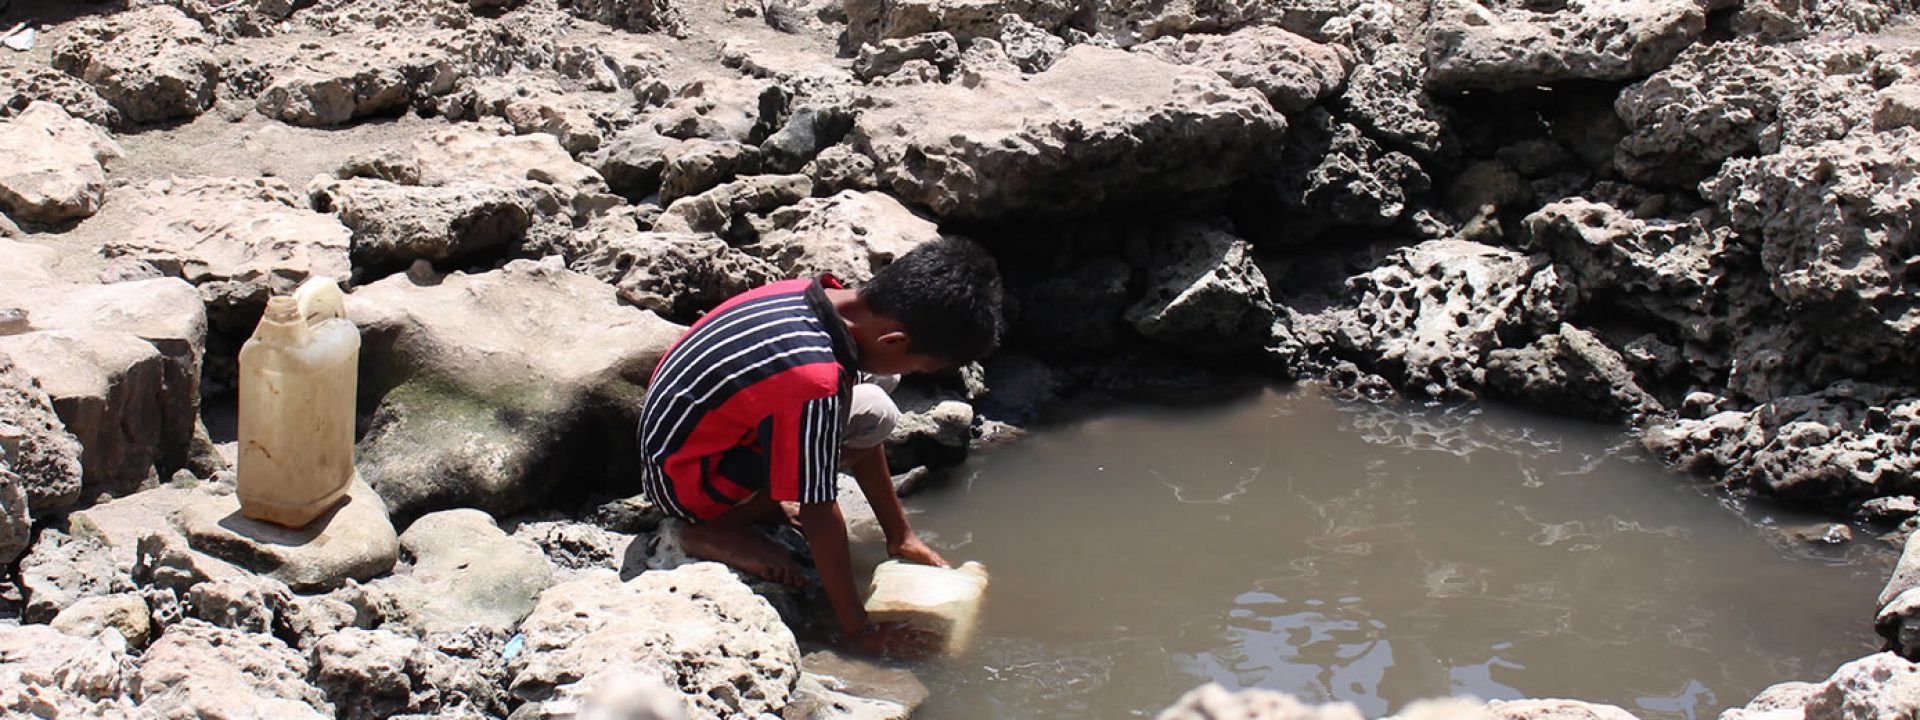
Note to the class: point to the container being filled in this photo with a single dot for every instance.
(297, 383)
(945, 601)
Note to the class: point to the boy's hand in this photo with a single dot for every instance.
(911, 549)
(897, 640)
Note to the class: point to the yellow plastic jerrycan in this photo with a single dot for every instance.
(945, 601)
(297, 382)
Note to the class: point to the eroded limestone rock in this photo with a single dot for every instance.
(151, 63)
(1292, 71)
(850, 235)
(1481, 49)
(198, 670)
(56, 167)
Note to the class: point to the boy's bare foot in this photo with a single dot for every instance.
(742, 548)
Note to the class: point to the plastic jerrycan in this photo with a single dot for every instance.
(943, 600)
(297, 383)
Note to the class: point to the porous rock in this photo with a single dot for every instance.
(151, 63)
(464, 572)
(363, 76)
(1484, 49)
(60, 570)
(48, 673)
(1715, 102)
(1204, 293)
(394, 225)
(1387, 98)
(1571, 372)
(199, 670)
(41, 457)
(56, 167)
(1292, 71)
(869, 22)
(370, 674)
(661, 16)
(354, 540)
(1850, 441)
(850, 235)
(20, 87)
(724, 208)
(123, 613)
(678, 275)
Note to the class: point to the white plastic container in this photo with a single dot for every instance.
(945, 601)
(298, 376)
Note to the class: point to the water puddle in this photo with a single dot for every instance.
(1376, 555)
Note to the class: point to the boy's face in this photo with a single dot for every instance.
(892, 354)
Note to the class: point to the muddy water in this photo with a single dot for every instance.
(1375, 555)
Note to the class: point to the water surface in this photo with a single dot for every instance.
(1374, 554)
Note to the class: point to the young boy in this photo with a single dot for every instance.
(752, 412)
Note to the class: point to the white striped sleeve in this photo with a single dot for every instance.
(820, 430)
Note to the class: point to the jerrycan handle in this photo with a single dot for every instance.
(320, 299)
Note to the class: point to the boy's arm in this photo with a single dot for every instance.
(826, 533)
(870, 470)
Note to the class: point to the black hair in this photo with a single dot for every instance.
(947, 294)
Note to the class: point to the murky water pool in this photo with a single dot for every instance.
(1376, 555)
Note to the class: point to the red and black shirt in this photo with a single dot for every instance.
(753, 397)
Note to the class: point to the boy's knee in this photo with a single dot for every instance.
(871, 416)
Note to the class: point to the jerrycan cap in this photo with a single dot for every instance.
(319, 299)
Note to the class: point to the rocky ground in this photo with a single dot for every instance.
(1696, 218)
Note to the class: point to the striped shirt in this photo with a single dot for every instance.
(753, 397)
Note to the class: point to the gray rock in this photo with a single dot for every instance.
(633, 161)
(535, 166)
(1427, 318)
(1675, 273)
(47, 673)
(367, 74)
(724, 208)
(1875, 686)
(1100, 127)
(869, 22)
(16, 522)
(239, 241)
(1846, 443)
(815, 698)
(667, 624)
(741, 110)
(889, 56)
(1204, 293)
(124, 613)
(152, 63)
(248, 603)
(1031, 48)
(1292, 71)
(1331, 176)
(1905, 575)
(698, 165)
(394, 225)
(42, 458)
(489, 383)
(1715, 102)
(1788, 696)
(352, 541)
(60, 570)
(464, 572)
(678, 275)
(809, 129)
(164, 560)
(1126, 23)
(640, 16)
(57, 165)
(1571, 373)
(935, 428)
(23, 86)
(198, 670)
(573, 545)
(851, 235)
(1783, 20)
(1481, 49)
(378, 674)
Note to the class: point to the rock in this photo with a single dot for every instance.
(698, 165)
(1788, 696)
(394, 225)
(60, 570)
(164, 560)
(1480, 49)
(1204, 293)
(23, 86)
(1783, 20)
(247, 603)
(809, 129)
(573, 545)
(1831, 230)
(869, 22)
(865, 678)
(363, 76)
(1676, 273)
(1330, 176)
(239, 241)
(465, 572)
(1387, 99)
(741, 110)
(152, 63)
(934, 428)
(1292, 71)
(1881, 685)
(815, 699)
(1572, 373)
(534, 165)
(57, 165)
(198, 670)
(723, 208)
(850, 235)
(639, 16)
(678, 275)
(379, 674)
(633, 161)
(124, 613)
(1845, 443)
(631, 515)
(1127, 23)
(1428, 317)
(1212, 700)
(16, 522)
(36, 449)
(1905, 575)
(612, 695)
(47, 673)
(1151, 130)
(726, 648)
(1030, 47)
(1554, 710)
(1073, 310)
(888, 56)
(1715, 102)
(352, 541)
(489, 383)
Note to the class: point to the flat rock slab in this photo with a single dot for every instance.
(353, 541)
(120, 523)
(1099, 128)
(466, 572)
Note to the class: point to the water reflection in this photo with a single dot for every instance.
(1373, 554)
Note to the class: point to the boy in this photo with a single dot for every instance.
(752, 412)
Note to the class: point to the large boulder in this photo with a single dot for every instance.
(1876, 686)
(462, 572)
(534, 165)
(850, 235)
(1674, 273)
(394, 225)
(1482, 49)
(48, 673)
(1848, 442)
(199, 670)
(678, 275)
(42, 457)
(489, 385)
(56, 166)
(152, 63)
(1097, 129)
(697, 627)
(1292, 71)
(353, 541)
(238, 240)
(1204, 293)
(363, 76)
(1715, 102)
(1427, 318)
(869, 22)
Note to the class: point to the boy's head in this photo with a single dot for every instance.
(945, 297)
